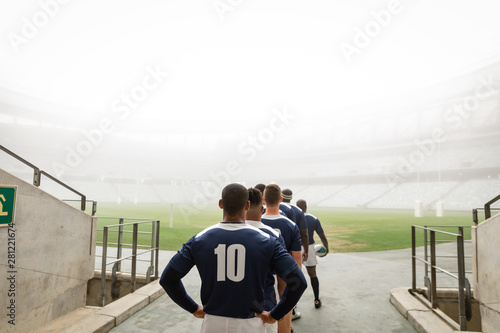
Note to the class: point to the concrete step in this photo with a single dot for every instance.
(103, 319)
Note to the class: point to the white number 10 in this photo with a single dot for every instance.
(235, 262)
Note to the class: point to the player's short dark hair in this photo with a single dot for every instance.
(234, 198)
(302, 204)
(272, 195)
(260, 187)
(255, 197)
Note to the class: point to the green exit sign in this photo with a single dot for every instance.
(7, 203)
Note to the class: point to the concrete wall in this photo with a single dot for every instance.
(486, 261)
(54, 259)
(123, 286)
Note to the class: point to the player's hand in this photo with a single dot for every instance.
(199, 313)
(266, 317)
(304, 256)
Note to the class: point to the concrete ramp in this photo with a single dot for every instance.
(354, 288)
(50, 258)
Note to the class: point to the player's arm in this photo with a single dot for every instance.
(321, 234)
(324, 241)
(295, 286)
(297, 256)
(304, 235)
(296, 245)
(171, 281)
(304, 232)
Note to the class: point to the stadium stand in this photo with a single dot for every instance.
(383, 161)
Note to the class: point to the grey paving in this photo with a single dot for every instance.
(354, 288)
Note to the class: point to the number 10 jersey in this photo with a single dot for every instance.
(233, 260)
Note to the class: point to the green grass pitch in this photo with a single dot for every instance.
(347, 230)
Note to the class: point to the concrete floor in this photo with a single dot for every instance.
(354, 288)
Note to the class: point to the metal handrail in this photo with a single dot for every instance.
(463, 285)
(487, 211)
(153, 249)
(37, 176)
(487, 206)
(440, 231)
(83, 198)
(94, 204)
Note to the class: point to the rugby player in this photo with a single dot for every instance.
(233, 260)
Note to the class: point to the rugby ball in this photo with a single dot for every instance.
(320, 250)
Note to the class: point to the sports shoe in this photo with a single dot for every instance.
(317, 303)
(295, 314)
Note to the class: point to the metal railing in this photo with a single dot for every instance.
(116, 261)
(37, 176)
(429, 260)
(487, 210)
(487, 206)
(94, 204)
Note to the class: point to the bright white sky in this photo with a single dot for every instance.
(228, 70)
(263, 54)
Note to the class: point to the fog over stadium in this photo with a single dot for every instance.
(163, 101)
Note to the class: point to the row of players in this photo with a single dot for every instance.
(236, 260)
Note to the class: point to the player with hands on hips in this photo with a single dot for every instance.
(233, 260)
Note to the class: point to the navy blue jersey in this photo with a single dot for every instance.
(269, 292)
(294, 213)
(267, 229)
(287, 228)
(233, 260)
(313, 225)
